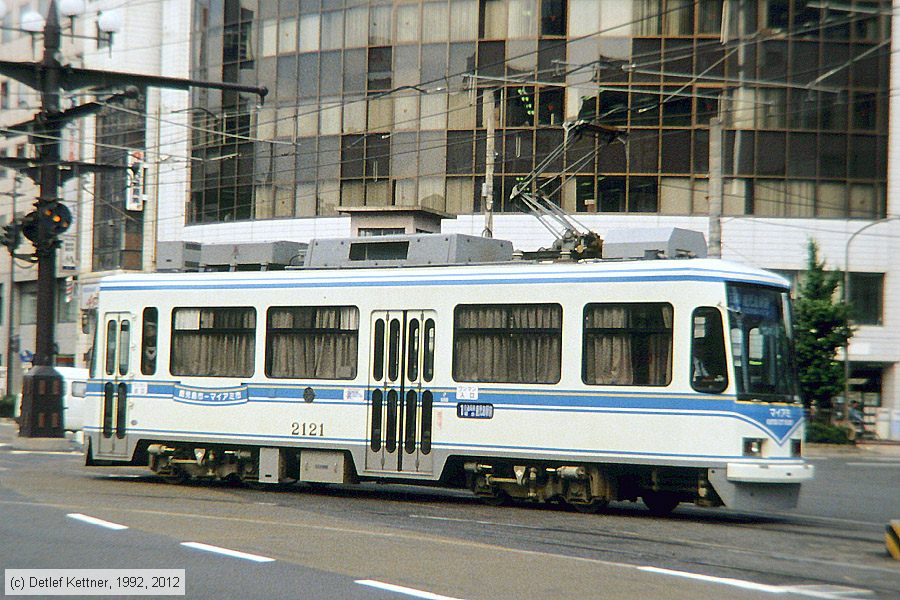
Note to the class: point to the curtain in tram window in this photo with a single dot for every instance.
(628, 344)
(659, 350)
(607, 352)
(213, 354)
(215, 342)
(312, 342)
(508, 344)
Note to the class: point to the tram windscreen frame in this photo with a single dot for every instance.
(762, 344)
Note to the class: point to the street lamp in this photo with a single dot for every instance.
(845, 293)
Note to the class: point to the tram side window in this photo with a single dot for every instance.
(213, 342)
(124, 346)
(149, 340)
(111, 339)
(312, 342)
(709, 371)
(627, 344)
(507, 343)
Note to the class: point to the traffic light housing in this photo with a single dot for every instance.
(47, 222)
(11, 236)
(56, 217)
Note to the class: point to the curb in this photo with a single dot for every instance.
(892, 539)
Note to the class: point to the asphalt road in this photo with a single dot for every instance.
(386, 541)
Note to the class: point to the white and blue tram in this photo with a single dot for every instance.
(586, 382)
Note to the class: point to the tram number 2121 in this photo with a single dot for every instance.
(308, 429)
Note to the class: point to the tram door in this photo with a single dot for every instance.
(400, 398)
(115, 369)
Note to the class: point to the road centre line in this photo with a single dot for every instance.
(96, 521)
(874, 464)
(403, 590)
(228, 552)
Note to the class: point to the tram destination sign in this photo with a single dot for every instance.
(474, 410)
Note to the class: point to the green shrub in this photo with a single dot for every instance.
(820, 433)
(7, 405)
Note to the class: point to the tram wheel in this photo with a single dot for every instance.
(499, 499)
(176, 477)
(281, 486)
(590, 508)
(660, 504)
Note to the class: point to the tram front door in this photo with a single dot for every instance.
(400, 401)
(115, 367)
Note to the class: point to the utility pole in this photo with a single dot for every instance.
(42, 415)
(11, 240)
(715, 187)
(487, 188)
(42, 386)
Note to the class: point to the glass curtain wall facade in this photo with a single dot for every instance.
(118, 232)
(380, 103)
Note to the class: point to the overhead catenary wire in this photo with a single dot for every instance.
(561, 84)
(752, 39)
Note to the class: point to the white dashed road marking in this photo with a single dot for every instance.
(227, 552)
(399, 589)
(96, 521)
(831, 592)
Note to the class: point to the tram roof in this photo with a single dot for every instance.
(513, 272)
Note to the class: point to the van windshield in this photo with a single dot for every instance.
(761, 344)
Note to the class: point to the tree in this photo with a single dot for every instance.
(821, 326)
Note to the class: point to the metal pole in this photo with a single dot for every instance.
(42, 412)
(845, 294)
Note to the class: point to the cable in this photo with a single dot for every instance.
(299, 153)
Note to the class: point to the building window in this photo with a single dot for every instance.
(377, 231)
(553, 17)
(379, 78)
(312, 342)
(503, 343)
(213, 342)
(627, 344)
(66, 311)
(867, 297)
(28, 304)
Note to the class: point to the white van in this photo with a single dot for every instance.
(74, 387)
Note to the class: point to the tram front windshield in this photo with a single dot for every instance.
(761, 344)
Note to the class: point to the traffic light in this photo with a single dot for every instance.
(46, 223)
(11, 236)
(56, 217)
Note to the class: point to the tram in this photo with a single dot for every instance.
(585, 382)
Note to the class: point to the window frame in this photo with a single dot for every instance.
(588, 335)
(715, 385)
(250, 358)
(341, 331)
(462, 334)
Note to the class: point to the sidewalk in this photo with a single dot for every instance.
(10, 440)
(865, 448)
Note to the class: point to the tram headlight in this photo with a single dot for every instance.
(753, 446)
